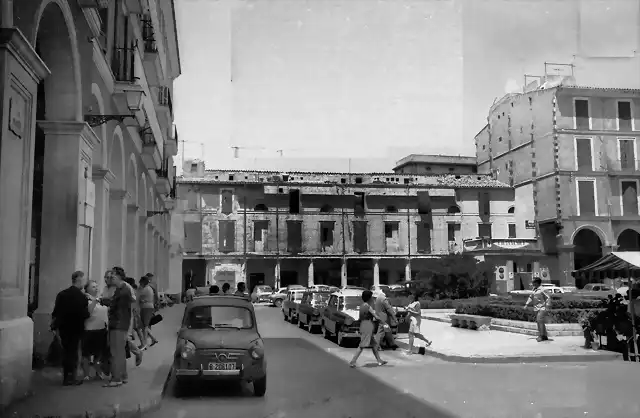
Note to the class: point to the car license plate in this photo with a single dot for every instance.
(222, 366)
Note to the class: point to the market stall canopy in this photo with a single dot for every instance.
(619, 262)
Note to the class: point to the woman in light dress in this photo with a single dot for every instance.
(415, 322)
(145, 299)
(368, 329)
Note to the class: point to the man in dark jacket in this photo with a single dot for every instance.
(70, 311)
(119, 321)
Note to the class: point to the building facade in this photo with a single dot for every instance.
(571, 154)
(86, 157)
(334, 228)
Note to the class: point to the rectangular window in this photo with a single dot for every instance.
(484, 230)
(451, 232)
(424, 237)
(583, 121)
(360, 236)
(484, 204)
(326, 234)
(586, 197)
(627, 151)
(584, 157)
(359, 204)
(260, 230)
(227, 236)
(193, 237)
(625, 118)
(391, 236)
(226, 201)
(629, 197)
(294, 201)
(294, 236)
(512, 230)
(424, 203)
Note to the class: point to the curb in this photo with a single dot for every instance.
(437, 319)
(560, 358)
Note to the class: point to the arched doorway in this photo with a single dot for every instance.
(587, 250)
(58, 99)
(629, 240)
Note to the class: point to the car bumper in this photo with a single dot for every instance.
(252, 370)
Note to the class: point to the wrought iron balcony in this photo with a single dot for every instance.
(148, 36)
(123, 64)
(164, 98)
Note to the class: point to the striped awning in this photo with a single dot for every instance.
(621, 261)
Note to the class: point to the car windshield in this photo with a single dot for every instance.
(352, 302)
(219, 316)
(263, 288)
(320, 297)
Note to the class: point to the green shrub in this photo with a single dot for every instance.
(519, 313)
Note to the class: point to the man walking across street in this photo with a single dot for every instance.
(541, 301)
(388, 314)
(70, 311)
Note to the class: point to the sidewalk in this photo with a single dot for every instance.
(468, 346)
(142, 393)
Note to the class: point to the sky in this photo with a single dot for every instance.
(355, 85)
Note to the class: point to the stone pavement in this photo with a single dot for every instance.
(142, 393)
(468, 346)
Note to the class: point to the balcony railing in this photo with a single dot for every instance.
(500, 244)
(148, 36)
(164, 98)
(626, 165)
(123, 64)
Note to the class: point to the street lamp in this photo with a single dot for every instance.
(134, 104)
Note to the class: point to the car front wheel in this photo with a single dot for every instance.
(260, 386)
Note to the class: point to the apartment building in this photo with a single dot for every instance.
(335, 228)
(86, 157)
(571, 154)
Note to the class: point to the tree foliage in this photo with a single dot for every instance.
(455, 277)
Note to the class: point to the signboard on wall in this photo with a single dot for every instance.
(529, 225)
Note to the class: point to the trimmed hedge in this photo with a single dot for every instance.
(518, 313)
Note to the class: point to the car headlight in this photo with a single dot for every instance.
(349, 321)
(187, 348)
(257, 349)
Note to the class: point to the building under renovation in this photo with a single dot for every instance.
(335, 228)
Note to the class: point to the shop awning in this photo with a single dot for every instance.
(616, 262)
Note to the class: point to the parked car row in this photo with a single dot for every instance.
(334, 313)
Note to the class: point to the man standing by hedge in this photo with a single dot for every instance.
(541, 302)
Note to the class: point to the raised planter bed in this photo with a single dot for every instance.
(518, 327)
(474, 322)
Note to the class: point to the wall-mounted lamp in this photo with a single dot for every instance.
(134, 103)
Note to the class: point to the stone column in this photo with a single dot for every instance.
(310, 273)
(376, 271)
(102, 180)
(132, 241)
(143, 247)
(343, 273)
(407, 270)
(277, 274)
(25, 69)
(117, 228)
(63, 249)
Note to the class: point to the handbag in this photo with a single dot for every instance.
(155, 319)
(55, 352)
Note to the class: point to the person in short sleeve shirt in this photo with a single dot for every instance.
(541, 302)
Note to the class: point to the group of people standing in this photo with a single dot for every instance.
(96, 330)
(377, 316)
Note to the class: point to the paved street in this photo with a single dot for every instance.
(309, 377)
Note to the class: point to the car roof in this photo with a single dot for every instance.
(349, 292)
(220, 300)
(317, 291)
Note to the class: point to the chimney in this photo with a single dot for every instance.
(193, 168)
